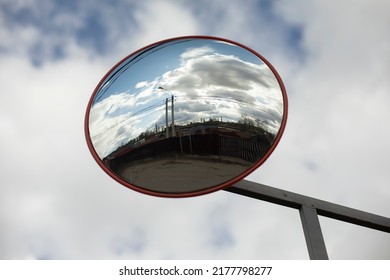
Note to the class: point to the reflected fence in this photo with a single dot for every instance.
(223, 147)
(245, 149)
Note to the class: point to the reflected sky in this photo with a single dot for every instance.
(208, 79)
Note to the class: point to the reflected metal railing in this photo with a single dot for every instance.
(245, 149)
(309, 209)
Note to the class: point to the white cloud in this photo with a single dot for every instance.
(195, 53)
(141, 84)
(159, 20)
(111, 123)
(57, 203)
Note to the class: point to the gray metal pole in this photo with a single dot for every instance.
(173, 118)
(313, 234)
(190, 144)
(166, 117)
(181, 145)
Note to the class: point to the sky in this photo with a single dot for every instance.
(56, 202)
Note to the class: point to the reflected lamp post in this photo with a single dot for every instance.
(172, 111)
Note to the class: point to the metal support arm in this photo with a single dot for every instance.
(313, 234)
(309, 209)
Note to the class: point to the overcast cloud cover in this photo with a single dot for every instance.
(56, 202)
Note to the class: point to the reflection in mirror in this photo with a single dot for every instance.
(186, 115)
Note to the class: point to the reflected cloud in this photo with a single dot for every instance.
(207, 84)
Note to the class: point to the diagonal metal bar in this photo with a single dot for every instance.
(323, 208)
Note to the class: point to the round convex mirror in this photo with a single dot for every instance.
(186, 116)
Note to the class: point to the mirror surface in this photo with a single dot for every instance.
(186, 116)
